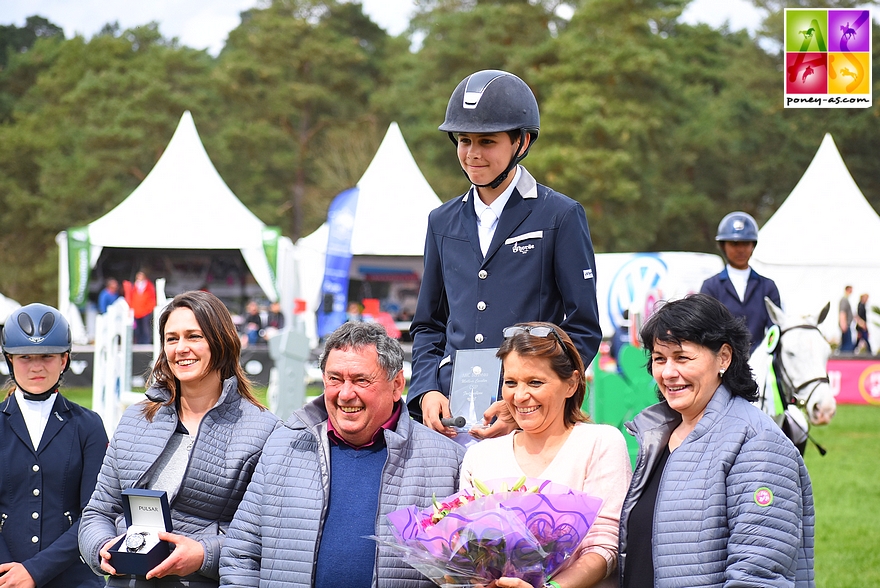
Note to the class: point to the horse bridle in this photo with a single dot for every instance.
(790, 390)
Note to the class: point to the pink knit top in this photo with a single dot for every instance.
(593, 459)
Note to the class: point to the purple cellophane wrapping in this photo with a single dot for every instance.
(505, 534)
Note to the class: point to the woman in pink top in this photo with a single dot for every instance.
(543, 386)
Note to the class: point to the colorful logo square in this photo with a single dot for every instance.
(849, 73)
(849, 30)
(827, 58)
(807, 73)
(806, 30)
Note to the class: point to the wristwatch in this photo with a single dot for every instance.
(136, 541)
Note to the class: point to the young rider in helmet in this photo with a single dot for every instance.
(51, 450)
(508, 251)
(739, 287)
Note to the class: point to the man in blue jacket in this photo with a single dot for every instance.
(330, 476)
(739, 287)
(508, 251)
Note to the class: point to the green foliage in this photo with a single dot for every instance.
(19, 40)
(657, 127)
(84, 135)
(298, 75)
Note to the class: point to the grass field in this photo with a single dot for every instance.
(847, 495)
(845, 488)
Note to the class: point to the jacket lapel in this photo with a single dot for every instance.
(728, 285)
(57, 420)
(514, 213)
(469, 221)
(16, 421)
(751, 284)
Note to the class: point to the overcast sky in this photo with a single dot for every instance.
(205, 24)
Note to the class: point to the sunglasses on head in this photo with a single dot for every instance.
(540, 331)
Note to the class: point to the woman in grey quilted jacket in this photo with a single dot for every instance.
(720, 496)
(197, 436)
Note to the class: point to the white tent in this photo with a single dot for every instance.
(7, 307)
(183, 203)
(390, 223)
(823, 237)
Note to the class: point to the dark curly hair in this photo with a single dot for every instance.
(223, 341)
(701, 319)
(562, 356)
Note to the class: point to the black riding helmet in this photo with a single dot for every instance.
(493, 101)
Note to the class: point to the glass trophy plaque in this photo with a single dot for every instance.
(476, 376)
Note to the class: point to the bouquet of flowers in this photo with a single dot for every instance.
(522, 528)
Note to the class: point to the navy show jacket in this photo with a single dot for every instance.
(751, 307)
(43, 491)
(540, 266)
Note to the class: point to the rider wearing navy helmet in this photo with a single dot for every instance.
(51, 449)
(739, 287)
(507, 251)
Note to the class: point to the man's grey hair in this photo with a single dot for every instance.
(357, 335)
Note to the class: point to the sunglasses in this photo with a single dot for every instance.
(540, 331)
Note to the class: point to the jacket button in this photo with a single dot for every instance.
(481, 305)
(34, 539)
(483, 274)
(36, 468)
(35, 515)
(36, 491)
(478, 338)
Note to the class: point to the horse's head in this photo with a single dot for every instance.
(802, 354)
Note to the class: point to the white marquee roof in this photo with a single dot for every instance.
(824, 221)
(182, 204)
(822, 238)
(394, 200)
(391, 218)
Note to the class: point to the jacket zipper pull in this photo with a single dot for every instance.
(3, 518)
(69, 520)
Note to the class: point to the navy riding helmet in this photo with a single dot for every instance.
(737, 226)
(493, 101)
(36, 329)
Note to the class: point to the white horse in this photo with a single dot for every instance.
(790, 367)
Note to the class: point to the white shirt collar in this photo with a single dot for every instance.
(36, 414)
(740, 280)
(499, 203)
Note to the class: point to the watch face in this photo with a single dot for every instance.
(135, 541)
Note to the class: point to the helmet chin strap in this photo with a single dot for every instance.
(41, 397)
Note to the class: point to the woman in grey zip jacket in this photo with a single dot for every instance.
(198, 436)
(719, 497)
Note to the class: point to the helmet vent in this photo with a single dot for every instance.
(46, 323)
(476, 85)
(26, 324)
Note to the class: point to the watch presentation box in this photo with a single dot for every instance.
(476, 377)
(146, 514)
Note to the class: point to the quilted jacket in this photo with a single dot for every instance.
(735, 503)
(274, 538)
(227, 447)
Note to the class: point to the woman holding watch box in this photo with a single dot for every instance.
(197, 436)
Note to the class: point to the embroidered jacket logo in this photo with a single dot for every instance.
(517, 248)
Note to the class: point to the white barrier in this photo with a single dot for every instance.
(111, 380)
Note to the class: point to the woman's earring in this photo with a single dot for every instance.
(721, 373)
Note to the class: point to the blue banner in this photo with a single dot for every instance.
(334, 288)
